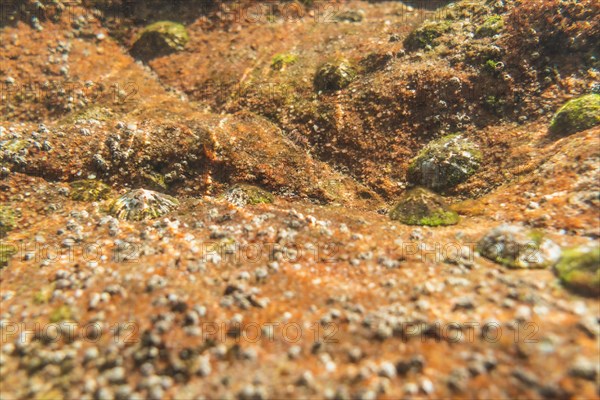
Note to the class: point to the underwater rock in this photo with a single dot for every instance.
(142, 204)
(579, 270)
(420, 206)
(516, 247)
(577, 115)
(444, 163)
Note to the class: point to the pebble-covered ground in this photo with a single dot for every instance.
(345, 201)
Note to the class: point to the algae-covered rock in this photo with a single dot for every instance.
(142, 204)
(426, 35)
(160, 38)
(241, 195)
(579, 270)
(8, 220)
(444, 163)
(89, 190)
(419, 206)
(516, 247)
(577, 115)
(334, 75)
(490, 27)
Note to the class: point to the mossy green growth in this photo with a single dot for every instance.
(490, 27)
(160, 38)
(89, 190)
(334, 75)
(579, 270)
(280, 61)
(419, 206)
(7, 250)
(98, 113)
(242, 194)
(8, 220)
(42, 297)
(156, 179)
(13, 146)
(492, 65)
(445, 162)
(426, 35)
(577, 115)
(60, 314)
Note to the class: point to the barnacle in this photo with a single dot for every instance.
(142, 204)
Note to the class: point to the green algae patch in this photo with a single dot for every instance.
(42, 297)
(60, 314)
(279, 62)
(89, 190)
(334, 75)
(242, 195)
(98, 113)
(160, 38)
(579, 270)
(155, 179)
(577, 115)
(426, 35)
(490, 27)
(444, 163)
(14, 146)
(8, 220)
(419, 206)
(7, 250)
